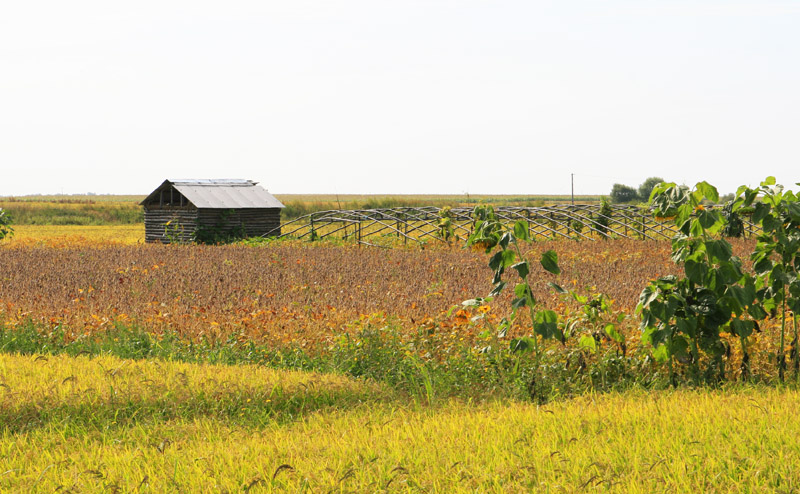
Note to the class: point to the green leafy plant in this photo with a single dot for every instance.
(596, 328)
(596, 322)
(494, 236)
(682, 317)
(604, 218)
(446, 230)
(174, 231)
(5, 225)
(776, 256)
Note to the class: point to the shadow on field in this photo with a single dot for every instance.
(233, 408)
(93, 393)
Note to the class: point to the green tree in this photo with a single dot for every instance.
(623, 193)
(646, 187)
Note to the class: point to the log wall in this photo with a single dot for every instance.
(184, 222)
(253, 222)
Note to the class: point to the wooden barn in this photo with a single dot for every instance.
(209, 210)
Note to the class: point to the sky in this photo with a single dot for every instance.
(398, 97)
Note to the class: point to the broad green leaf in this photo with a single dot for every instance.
(687, 325)
(768, 181)
(612, 333)
(771, 224)
(695, 228)
(505, 240)
(522, 345)
(588, 343)
(708, 190)
(521, 290)
(679, 347)
(729, 272)
(707, 218)
(557, 288)
(683, 214)
(756, 312)
(793, 209)
(498, 288)
(763, 266)
(743, 329)
(509, 256)
(522, 269)
(496, 260)
(498, 276)
(521, 230)
(550, 262)
(743, 295)
(696, 271)
(546, 324)
(760, 212)
(661, 354)
(719, 250)
(647, 296)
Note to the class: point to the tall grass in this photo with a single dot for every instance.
(74, 213)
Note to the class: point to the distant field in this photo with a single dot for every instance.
(74, 199)
(74, 211)
(125, 209)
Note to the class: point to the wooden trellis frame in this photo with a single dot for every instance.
(417, 224)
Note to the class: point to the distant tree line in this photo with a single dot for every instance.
(621, 193)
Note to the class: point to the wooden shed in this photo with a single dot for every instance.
(188, 210)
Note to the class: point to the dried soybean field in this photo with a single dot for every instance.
(284, 293)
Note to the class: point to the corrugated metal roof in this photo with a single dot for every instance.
(224, 193)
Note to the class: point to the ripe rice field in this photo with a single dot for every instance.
(79, 424)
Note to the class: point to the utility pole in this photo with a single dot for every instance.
(572, 180)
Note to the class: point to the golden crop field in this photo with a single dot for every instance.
(309, 366)
(79, 424)
(74, 236)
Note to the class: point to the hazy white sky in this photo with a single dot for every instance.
(403, 96)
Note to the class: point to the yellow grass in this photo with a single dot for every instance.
(75, 235)
(358, 440)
